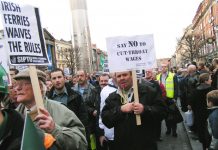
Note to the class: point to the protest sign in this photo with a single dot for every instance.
(131, 53)
(23, 35)
(23, 40)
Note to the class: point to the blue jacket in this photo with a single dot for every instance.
(213, 119)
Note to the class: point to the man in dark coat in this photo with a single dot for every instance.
(149, 77)
(63, 93)
(119, 112)
(91, 99)
(199, 107)
(214, 75)
(11, 129)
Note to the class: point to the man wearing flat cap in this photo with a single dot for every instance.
(55, 118)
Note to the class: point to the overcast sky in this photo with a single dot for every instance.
(165, 19)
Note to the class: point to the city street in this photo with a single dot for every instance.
(184, 141)
(171, 143)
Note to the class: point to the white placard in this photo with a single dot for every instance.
(23, 35)
(131, 53)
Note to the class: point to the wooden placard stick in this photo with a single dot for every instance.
(36, 88)
(136, 95)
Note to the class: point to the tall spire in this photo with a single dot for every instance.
(81, 35)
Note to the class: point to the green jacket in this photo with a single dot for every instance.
(69, 131)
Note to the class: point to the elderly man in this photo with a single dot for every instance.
(119, 112)
(55, 118)
(192, 80)
(149, 77)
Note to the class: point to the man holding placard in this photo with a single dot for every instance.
(55, 118)
(120, 110)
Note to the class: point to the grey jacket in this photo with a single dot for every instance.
(91, 100)
(69, 131)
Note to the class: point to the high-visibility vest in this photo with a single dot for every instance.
(169, 84)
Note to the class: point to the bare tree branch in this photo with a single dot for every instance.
(190, 46)
(72, 59)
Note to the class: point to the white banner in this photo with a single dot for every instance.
(23, 34)
(131, 53)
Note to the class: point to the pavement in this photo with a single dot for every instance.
(184, 141)
(195, 144)
(181, 142)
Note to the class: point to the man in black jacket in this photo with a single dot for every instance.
(91, 99)
(120, 109)
(63, 93)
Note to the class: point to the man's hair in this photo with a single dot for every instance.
(56, 70)
(74, 76)
(194, 63)
(201, 64)
(204, 77)
(104, 74)
(15, 70)
(212, 96)
(118, 72)
(191, 68)
(215, 60)
(85, 72)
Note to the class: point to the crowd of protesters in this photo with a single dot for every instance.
(97, 111)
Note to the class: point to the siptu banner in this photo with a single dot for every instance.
(23, 35)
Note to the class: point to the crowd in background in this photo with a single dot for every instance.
(103, 107)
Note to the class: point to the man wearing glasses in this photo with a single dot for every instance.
(55, 118)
